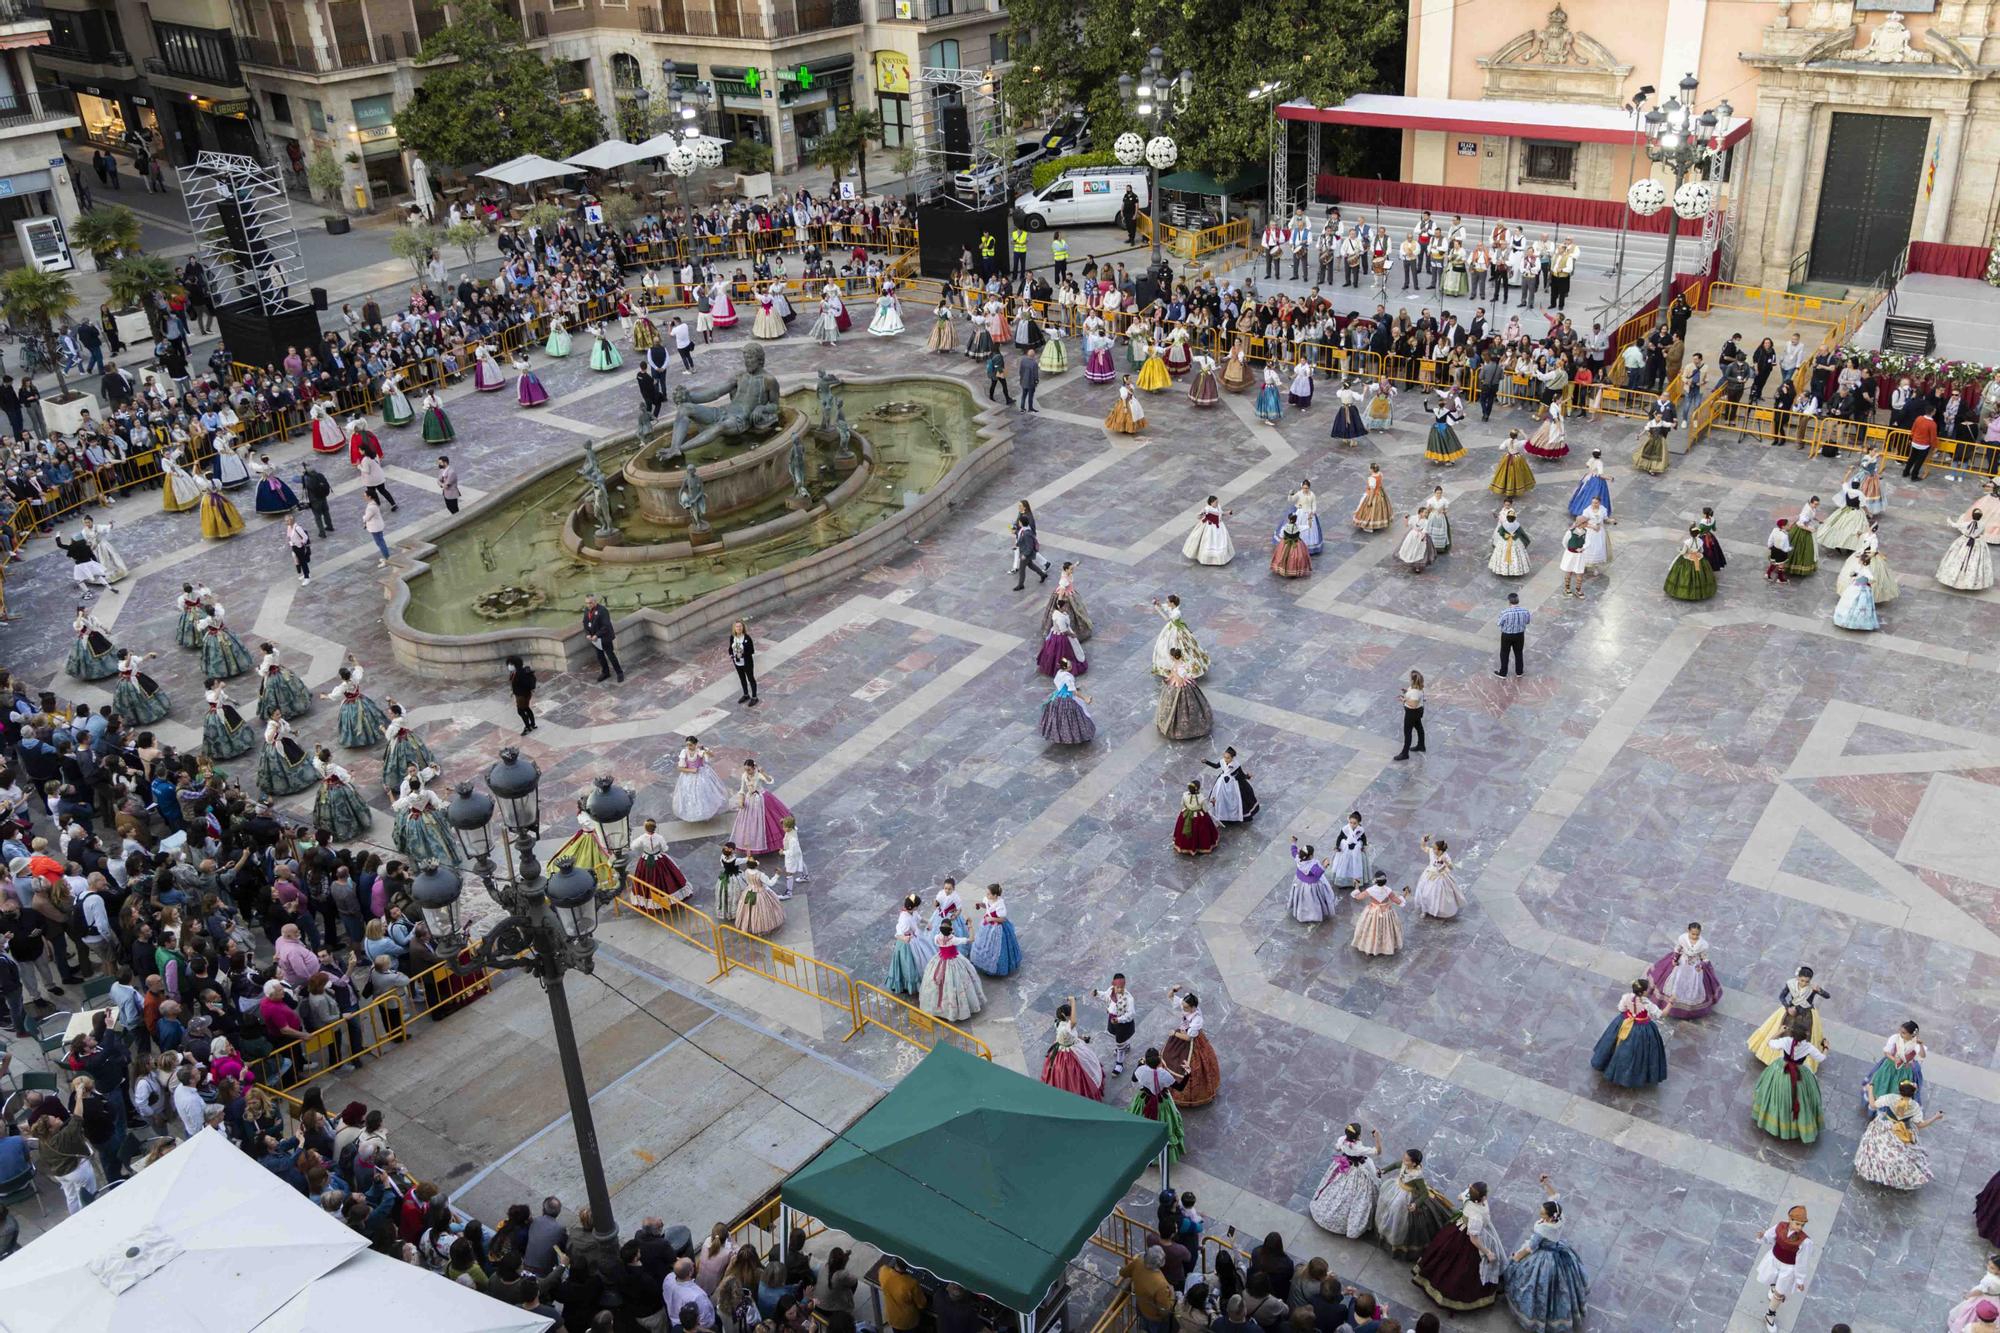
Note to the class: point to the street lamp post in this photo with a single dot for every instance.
(642, 97)
(1153, 98)
(1637, 107)
(1683, 141)
(550, 925)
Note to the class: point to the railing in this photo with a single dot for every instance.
(23, 11)
(57, 104)
(383, 1021)
(865, 1006)
(792, 18)
(1191, 243)
(759, 1224)
(723, 19)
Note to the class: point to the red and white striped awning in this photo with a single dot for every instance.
(1566, 122)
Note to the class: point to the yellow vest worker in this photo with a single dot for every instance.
(1059, 250)
(986, 246)
(1020, 240)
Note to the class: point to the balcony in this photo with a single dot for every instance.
(19, 114)
(799, 18)
(726, 18)
(80, 55)
(936, 12)
(22, 11)
(349, 54)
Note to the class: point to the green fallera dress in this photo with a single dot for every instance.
(1151, 1102)
(1787, 1103)
(1689, 578)
(1805, 558)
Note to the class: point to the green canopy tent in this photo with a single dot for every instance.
(983, 1176)
(1206, 199)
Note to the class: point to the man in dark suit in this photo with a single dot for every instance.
(597, 628)
(1027, 555)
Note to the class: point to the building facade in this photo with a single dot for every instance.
(280, 78)
(1872, 123)
(34, 179)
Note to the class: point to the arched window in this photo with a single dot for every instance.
(624, 70)
(942, 55)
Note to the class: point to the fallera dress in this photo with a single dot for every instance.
(1311, 899)
(1154, 1101)
(1208, 541)
(1195, 832)
(699, 792)
(1409, 1214)
(1183, 712)
(1344, 1203)
(1437, 891)
(952, 989)
(996, 949)
(1891, 1153)
(1065, 718)
(1902, 1062)
(757, 830)
(1071, 1065)
(1685, 980)
(1786, 1103)
(911, 955)
(1460, 1269)
(1191, 1058)
(1631, 1053)
(1547, 1290)
(1509, 557)
(1689, 578)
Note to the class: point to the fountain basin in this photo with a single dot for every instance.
(739, 480)
(521, 551)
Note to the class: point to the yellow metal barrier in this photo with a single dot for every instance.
(382, 1021)
(759, 1226)
(824, 982)
(671, 914)
(877, 1008)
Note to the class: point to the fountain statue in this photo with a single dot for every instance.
(827, 384)
(693, 497)
(599, 499)
(795, 463)
(751, 413)
(845, 432)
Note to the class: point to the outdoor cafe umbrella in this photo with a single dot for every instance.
(528, 169)
(420, 186)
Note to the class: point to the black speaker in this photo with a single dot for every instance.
(257, 339)
(957, 138)
(946, 229)
(319, 298)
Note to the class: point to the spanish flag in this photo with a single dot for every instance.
(1930, 172)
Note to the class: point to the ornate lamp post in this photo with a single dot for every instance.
(1683, 141)
(550, 925)
(693, 152)
(1153, 98)
(642, 98)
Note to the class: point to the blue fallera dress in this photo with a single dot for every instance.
(1270, 402)
(996, 950)
(1631, 1053)
(1310, 531)
(911, 959)
(1856, 608)
(1592, 487)
(1548, 1290)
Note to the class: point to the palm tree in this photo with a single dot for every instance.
(107, 232)
(848, 142)
(33, 299)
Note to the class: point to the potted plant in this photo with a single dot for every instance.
(32, 299)
(130, 281)
(107, 232)
(753, 164)
(328, 178)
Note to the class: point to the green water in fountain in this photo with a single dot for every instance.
(513, 552)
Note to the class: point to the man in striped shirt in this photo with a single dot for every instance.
(1513, 635)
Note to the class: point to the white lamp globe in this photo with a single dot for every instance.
(1129, 148)
(708, 152)
(1161, 152)
(1696, 199)
(1646, 197)
(679, 159)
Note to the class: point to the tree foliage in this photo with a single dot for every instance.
(107, 231)
(414, 244)
(491, 98)
(33, 299)
(134, 277)
(1068, 53)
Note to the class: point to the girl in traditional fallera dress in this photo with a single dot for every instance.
(1155, 1101)
(361, 441)
(1054, 358)
(91, 656)
(1966, 1311)
(1512, 476)
(1347, 424)
(654, 867)
(529, 391)
(1547, 1290)
(888, 318)
(1890, 1153)
(911, 955)
(1153, 375)
(437, 426)
(1302, 384)
(327, 436)
(1869, 472)
(1138, 343)
(137, 696)
(1902, 1062)
(1438, 893)
(1631, 1052)
(1203, 390)
(1208, 542)
(1409, 1214)
(758, 910)
(222, 653)
(1176, 354)
(1381, 409)
(420, 831)
(223, 732)
(1350, 868)
(758, 811)
(1230, 794)
(1856, 608)
(1195, 833)
(794, 856)
(1684, 980)
(1128, 414)
(1804, 559)
(1416, 550)
(486, 373)
(1597, 524)
(1966, 565)
(1236, 376)
(943, 338)
(1551, 439)
(1796, 997)
(603, 352)
(1689, 579)
(1189, 1057)
(338, 807)
(1440, 520)
(766, 324)
(558, 343)
(1065, 597)
(1373, 513)
(1310, 899)
(1592, 487)
(406, 750)
(1781, 1271)
(1065, 718)
(721, 305)
(1786, 1103)
(273, 496)
(1061, 649)
(1271, 398)
(1098, 367)
(219, 517)
(362, 724)
(980, 345)
(1869, 553)
(1069, 1063)
(1442, 446)
(1175, 641)
(396, 409)
(1344, 1203)
(996, 949)
(1460, 1269)
(1378, 929)
(826, 326)
(283, 768)
(183, 490)
(1304, 502)
(1848, 524)
(1651, 455)
(1289, 558)
(1509, 556)
(700, 794)
(952, 991)
(1183, 713)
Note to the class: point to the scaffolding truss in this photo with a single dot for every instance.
(241, 219)
(932, 92)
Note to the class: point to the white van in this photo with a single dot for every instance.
(1081, 196)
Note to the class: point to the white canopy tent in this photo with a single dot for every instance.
(227, 1247)
(658, 145)
(528, 169)
(610, 154)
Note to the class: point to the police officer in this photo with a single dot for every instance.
(1020, 240)
(1059, 256)
(987, 247)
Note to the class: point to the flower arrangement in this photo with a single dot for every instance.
(1922, 370)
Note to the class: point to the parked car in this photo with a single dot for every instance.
(1081, 196)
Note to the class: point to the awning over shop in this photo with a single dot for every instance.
(1565, 122)
(983, 1176)
(1200, 182)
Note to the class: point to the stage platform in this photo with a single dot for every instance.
(1965, 311)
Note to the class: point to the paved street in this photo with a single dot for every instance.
(1811, 796)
